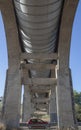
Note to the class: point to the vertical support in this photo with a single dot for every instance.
(12, 104)
(12, 95)
(64, 99)
(52, 105)
(27, 105)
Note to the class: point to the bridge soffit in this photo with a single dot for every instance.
(68, 13)
(66, 25)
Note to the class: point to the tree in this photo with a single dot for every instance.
(77, 99)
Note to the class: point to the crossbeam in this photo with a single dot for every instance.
(40, 81)
(40, 56)
(38, 66)
(39, 90)
(41, 100)
(41, 105)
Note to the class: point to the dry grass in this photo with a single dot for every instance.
(2, 126)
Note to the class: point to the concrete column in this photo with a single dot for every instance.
(27, 105)
(64, 99)
(12, 105)
(52, 105)
(12, 93)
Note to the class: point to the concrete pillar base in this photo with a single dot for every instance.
(52, 105)
(64, 99)
(27, 105)
(12, 104)
(53, 117)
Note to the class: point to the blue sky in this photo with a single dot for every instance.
(3, 58)
(75, 53)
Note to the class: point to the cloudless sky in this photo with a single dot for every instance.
(75, 54)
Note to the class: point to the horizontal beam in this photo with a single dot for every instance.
(39, 81)
(41, 105)
(39, 56)
(41, 100)
(38, 66)
(39, 90)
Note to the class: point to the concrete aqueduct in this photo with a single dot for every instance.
(38, 34)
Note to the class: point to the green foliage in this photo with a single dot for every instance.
(77, 98)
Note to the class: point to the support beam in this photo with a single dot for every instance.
(12, 103)
(39, 56)
(39, 90)
(41, 100)
(64, 98)
(27, 104)
(40, 87)
(12, 97)
(40, 81)
(42, 105)
(52, 103)
(65, 32)
(28, 107)
(38, 66)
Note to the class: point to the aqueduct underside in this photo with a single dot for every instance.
(38, 34)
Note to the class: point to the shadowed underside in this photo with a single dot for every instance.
(38, 27)
(38, 24)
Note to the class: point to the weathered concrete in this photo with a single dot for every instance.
(27, 104)
(40, 56)
(28, 107)
(11, 113)
(52, 105)
(12, 99)
(64, 101)
(64, 98)
(65, 32)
